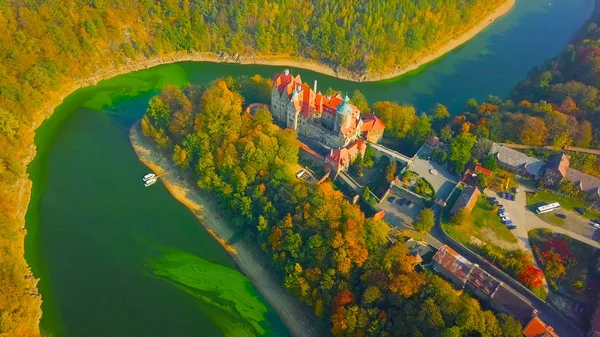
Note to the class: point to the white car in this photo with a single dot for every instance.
(596, 225)
(504, 218)
(503, 214)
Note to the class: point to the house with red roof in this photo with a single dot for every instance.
(372, 128)
(537, 328)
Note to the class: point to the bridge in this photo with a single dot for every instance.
(392, 154)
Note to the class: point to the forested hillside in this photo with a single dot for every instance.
(324, 249)
(571, 84)
(46, 44)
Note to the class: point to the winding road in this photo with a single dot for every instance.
(561, 325)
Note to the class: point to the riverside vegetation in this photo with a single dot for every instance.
(323, 248)
(47, 44)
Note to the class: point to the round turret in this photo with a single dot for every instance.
(344, 108)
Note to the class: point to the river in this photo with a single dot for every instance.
(117, 259)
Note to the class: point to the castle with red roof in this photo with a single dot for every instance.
(331, 120)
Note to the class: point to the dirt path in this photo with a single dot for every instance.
(248, 257)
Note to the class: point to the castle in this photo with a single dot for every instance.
(329, 120)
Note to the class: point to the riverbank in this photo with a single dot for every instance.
(246, 256)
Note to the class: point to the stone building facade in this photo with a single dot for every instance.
(331, 120)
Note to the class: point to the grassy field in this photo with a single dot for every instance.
(544, 197)
(482, 222)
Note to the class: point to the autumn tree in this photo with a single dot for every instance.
(398, 119)
(534, 131)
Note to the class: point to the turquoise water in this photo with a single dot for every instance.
(117, 259)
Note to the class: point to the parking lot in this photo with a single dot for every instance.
(401, 209)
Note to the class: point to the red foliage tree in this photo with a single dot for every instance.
(531, 276)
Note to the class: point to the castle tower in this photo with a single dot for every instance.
(343, 115)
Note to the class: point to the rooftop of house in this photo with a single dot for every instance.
(479, 169)
(537, 328)
(585, 182)
(559, 162)
(342, 157)
(372, 123)
(512, 302)
(484, 282)
(418, 247)
(454, 263)
(466, 196)
(517, 159)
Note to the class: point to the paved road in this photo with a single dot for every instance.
(443, 182)
(560, 324)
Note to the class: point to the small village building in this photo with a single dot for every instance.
(466, 200)
(508, 301)
(556, 169)
(517, 162)
(420, 250)
(470, 175)
(452, 265)
(372, 128)
(537, 328)
(585, 183)
(482, 283)
(433, 142)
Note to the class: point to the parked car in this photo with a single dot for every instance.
(511, 227)
(560, 215)
(579, 210)
(503, 214)
(490, 199)
(596, 225)
(508, 222)
(505, 219)
(501, 210)
(510, 197)
(391, 199)
(516, 190)
(577, 307)
(597, 221)
(501, 194)
(500, 206)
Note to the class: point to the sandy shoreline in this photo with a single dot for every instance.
(247, 257)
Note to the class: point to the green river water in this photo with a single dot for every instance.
(117, 259)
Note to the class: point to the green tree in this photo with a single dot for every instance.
(159, 113)
(398, 119)
(460, 151)
(490, 163)
(425, 221)
(460, 217)
(420, 131)
(360, 101)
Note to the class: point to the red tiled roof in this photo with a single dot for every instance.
(537, 328)
(372, 123)
(341, 157)
(454, 263)
(483, 170)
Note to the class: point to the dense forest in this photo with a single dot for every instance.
(324, 249)
(570, 85)
(46, 45)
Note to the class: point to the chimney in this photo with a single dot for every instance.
(315, 88)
